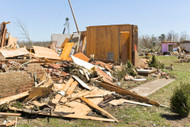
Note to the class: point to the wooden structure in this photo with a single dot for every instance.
(169, 46)
(3, 32)
(112, 42)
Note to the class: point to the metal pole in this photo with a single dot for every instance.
(73, 16)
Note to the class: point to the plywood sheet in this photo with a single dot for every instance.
(12, 42)
(80, 56)
(45, 52)
(13, 53)
(66, 51)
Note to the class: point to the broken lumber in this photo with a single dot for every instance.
(91, 104)
(81, 82)
(105, 76)
(9, 114)
(62, 91)
(13, 98)
(121, 101)
(11, 123)
(122, 91)
(59, 115)
(80, 56)
(72, 88)
(66, 41)
(82, 63)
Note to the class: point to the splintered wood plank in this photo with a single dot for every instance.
(122, 91)
(121, 101)
(89, 117)
(67, 85)
(81, 82)
(106, 77)
(12, 98)
(9, 114)
(66, 40)
(72, 88)
(91, 104)
(64, 89)
(80, 56)
(75, 116)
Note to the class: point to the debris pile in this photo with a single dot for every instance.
(184, 58)
(69, 89)
(69, 85)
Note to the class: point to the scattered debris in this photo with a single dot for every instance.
(66, 83)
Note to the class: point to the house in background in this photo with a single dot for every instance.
(169, 46)
(185, 45)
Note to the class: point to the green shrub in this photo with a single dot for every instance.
(155, 63)
(130, 69)
(119, 74)
(180, 101)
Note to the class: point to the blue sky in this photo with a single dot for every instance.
(44, 17)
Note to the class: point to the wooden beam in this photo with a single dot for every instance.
(72, 88)
(102, 111)
(59, 115)
(12, 98)
(9, 114)
(122, 91)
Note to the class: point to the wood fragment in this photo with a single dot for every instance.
(81, 82)
(121, 101)
(66, 51)
(9, 114)
(91, 104)
(63, 116)
(105, 76)
(36, 103)
(11, 123)
(64, 89)
(71, 88)
(122, 91)
(12, 98)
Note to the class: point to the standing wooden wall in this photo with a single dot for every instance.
(102, 40)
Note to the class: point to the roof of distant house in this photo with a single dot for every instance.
(170, 42)
(186, 41)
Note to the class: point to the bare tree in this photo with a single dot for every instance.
(148, 43)
(172, 36)
(24, 31)
(184, 36)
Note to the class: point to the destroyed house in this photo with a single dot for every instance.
(112, 42)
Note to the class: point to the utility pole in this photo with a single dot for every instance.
(73, 16)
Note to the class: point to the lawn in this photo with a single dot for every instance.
(132, 115)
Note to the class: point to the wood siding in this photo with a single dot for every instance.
(102, 40)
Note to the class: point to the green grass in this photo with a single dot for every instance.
(133, 115)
